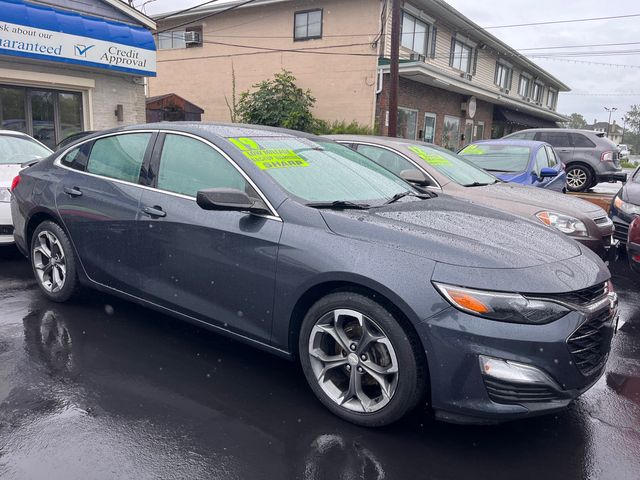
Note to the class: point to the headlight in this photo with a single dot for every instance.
(5, 195)
(628, 208)
(564, 223)
(506, 307)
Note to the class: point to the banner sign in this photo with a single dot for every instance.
(134, 56)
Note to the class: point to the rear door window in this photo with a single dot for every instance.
(391, 161)
(188, 165)
(119, 156)
(522, 136)
(557, 139)
(581, 141)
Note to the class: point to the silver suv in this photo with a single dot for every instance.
(590, 158)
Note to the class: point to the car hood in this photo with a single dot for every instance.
(455, 232)
(529, 200)
(631, 193)
(7, 173)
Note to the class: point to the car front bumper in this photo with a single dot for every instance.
(6, 225)
(460, 392)
(614, 176)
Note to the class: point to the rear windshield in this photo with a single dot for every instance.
(454, 167)
(15, 150)
(497, 157)
(321, 171)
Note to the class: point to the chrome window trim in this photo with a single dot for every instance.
(358, 142)
(57, 162)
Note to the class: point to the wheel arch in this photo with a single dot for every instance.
(35, 219)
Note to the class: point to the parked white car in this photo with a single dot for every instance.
(16, 149)
(623, 151)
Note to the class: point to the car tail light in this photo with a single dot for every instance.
(607, 156)
(15, 182)
(634, 231)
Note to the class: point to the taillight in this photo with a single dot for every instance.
(634, 231)
(15, 182)
(607, 156)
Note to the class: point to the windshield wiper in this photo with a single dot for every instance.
(477, 184)
(408, 193)
(339, 205)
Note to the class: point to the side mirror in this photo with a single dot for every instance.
(547, 172)
(415, 177)
(230, 199)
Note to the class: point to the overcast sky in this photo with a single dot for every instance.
(593, 86)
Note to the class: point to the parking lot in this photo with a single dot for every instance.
(102, 388)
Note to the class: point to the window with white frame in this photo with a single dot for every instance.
(503, 75)
(552, 98)
(536, 93)
(524, 85)
(174, 39)
(415, 34)
(307, 25)
(460, 56)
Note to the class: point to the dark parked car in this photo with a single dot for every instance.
(589, 156)
(74, 137)
(625, 206)
(633, 245)
(305, 248)
(439, 170)
(525, 162)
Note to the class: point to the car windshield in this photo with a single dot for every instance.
(451, 165)
(497, 157)
(14, 149)
(321, 171)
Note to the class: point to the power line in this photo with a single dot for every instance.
(209, 15)
(180, 12)
(555, 22)
(579, 46)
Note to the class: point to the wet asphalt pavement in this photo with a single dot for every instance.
(103, 389)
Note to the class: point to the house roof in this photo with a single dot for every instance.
(169, 100)
(132, 12)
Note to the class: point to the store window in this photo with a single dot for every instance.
(451, 133)
(407, 123)
(414, 34)
(49, 116)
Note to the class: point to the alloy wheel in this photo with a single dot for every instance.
(49, 262)
(354, 362)
(576, 178)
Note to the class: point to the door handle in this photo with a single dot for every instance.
(72, 191)
(155, 211)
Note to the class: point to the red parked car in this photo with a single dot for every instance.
(633, 245)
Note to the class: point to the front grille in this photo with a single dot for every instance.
(582, 297)
(622, 231)
(501, 391)
(6, 230)
(589, 344)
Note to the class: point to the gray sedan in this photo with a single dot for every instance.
(388, 297)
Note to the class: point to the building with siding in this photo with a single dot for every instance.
(457, 81)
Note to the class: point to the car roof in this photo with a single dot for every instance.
(378, 139)
(558, 129)
(514, 142)
(223, 130)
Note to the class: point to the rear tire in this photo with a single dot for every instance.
(359, 361)
(53, 262)
(579, 178)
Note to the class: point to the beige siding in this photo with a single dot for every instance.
(343, 85)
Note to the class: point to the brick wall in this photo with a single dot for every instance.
(428, 99)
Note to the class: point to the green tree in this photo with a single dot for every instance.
(278, 103)
(577, 121)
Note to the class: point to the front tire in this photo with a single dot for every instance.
(359, 361)
(53, 262)
(579, 178)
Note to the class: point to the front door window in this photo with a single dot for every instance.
(429, 135)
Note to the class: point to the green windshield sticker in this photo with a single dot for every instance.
(430, 158)
(267, 158)
(472, 150)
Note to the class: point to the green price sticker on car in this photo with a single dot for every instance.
(472, 150)
(268, 158)
(430, 158)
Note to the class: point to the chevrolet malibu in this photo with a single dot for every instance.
(387, 297)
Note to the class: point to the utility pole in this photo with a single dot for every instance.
(610, 110)
(394, 74)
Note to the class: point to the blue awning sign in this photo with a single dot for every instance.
(44, 33)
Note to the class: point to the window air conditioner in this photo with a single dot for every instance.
(416, 57)
(192, 38)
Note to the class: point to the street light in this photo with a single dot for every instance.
(610, 110)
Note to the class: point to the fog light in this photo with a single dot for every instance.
(510, 371)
